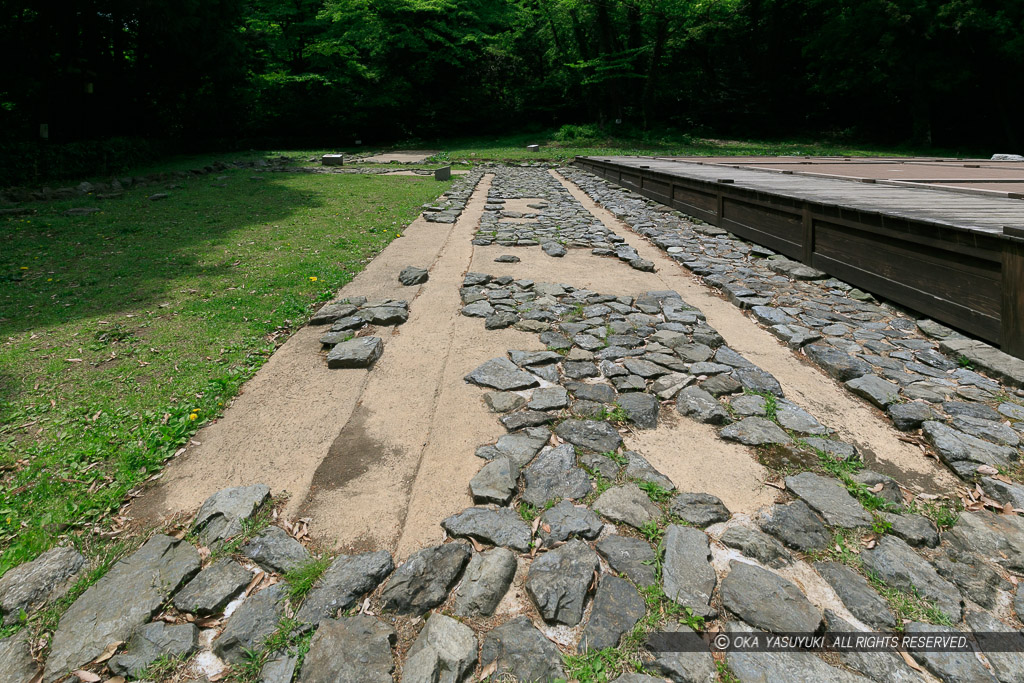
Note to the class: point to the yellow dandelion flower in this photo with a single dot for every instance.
(312, 278)
(192, 416)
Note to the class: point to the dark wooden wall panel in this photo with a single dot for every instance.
(773, 228)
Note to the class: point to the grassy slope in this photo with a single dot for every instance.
(119, 326)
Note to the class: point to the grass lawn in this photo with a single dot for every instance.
(122, 332)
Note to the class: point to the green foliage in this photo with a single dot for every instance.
(617, 458)
(655, 492)
(301, 579)
(964, 362)
(944, 512)
(595, 666)
(908, 606)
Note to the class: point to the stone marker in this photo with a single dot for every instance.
(533, 148)
(361, 352)
(333, 160)
(443, 173)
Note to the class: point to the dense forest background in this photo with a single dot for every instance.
(202, 72)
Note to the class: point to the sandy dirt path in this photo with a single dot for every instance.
(377, 458)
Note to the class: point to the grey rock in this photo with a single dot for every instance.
(630, 556)
(641, 409)
(796, 526)
(559, 579)
(599, 392)
(700, 405)
(102, 615)
(522, 652)
(989, 430)
(998, 538)
(519, 448)
(643, 368)
(16, 663)
(1012, 410)
(474, 279)
(361, 352)
(564, 521)
(879, 665)
(838, 450)
(275, 550)
(499, 320)
(949, 667)
(598, 436)
(721, 385)
(690, 667)
(332, 312)
(484, 583)
(975, 410)
(633, 677)
(28, 586)
(254, 620)
(579, 369)
(916, 530)
(553, 476)
(617, 608)
(667, 386)
(908, 416)
(749, 405)
(411, 275)
(829, 499)
(898, 565)
(642, 264)
(963, 452)
(507, 258)
(627, 504)
(769, 315)
(453, 646)
(797, 419)
(638, 469)
(839, 364)
(686, 568)
(279, 668)
(1003, 491)
(424, 580)
(350, 650)
(977, 580)
(478, 309)
(347, 579)
(757, 545)
(857, 596)
(756, 379)
(549, 398)
(755, 431)
(495, 482)
(503, 401)
(766, 600)
(384, 315)
(222, 514)
(502, 374)
(1007, 666)
(553, 249)
(890, 491)
(875, 389)
(213, 588)
(699, 509)
(500, 527)
(152, 641)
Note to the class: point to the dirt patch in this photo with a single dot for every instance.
(402, 156)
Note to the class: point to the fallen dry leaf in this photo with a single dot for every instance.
(87, 676)
(910, 662)
(255, 582)
(877, 487)
(477, 546)
(987, 470)
(108, 652)
(488, 671)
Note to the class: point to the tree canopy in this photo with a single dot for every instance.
(946, 72)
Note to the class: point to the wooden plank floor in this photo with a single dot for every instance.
(960, 211)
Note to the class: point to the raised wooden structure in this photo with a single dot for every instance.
(953, 255)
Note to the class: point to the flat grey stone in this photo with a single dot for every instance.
(453, 646)
(411, 275)
(766, 600)
(152, 641)
(617, 607)
(553, 249)
(384, 315)
(423, 581)
(1007, 666)
(559, 579)
(976, 579)
(898, 565)
(755, 431)
(996, 363)
(769, 315)
(565, 521)
(519, 448)
(478, 309)
(1004, 492)
(837, 450)
(1012, 410)
(361, 352)
(697, 403)
(279, 668)
(686, 568)
(249, 625)
(521, 652)
(721, 385)
(694, 353)
(548, 398)
(638, 469)
(989, 430)
(949, 667)
(528, 358)
(102, 614)
(501, 527)
(963, 452)
(347, 579)
(275, 550)
(975, 410)
(502, 374)
(495, 482)
(667, 386)
(830, 499)
(757, 545)
(26, 587)
(797, 419)
(875, 389)
(796, 526)
(350, 650)
(598, 436)
(499, 320)
(503, 401)
(627, 504)
(641, 409)
(16, 663)
(507, 258)
(908, 416)
(890, 491)
(222, 514)
(879, 665)
(553, 475)
(857, 595)
(916, 530)
(839, 364)
(756, 379)
(630, 556)
(998, 538)
(699, 509)
(484, 583)
(213, 588)
(696, 667)
(332, 312)
(748, 405)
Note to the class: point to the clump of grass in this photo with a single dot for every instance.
(943, 512)
(908, 606)
(301, 579)
(655, 492)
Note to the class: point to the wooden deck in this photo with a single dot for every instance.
(952, 253)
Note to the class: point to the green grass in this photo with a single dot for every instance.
(126, 330)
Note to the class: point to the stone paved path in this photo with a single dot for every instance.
(568, 442)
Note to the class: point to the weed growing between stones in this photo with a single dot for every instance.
(597, 666)
(907, 606)
(301, 579)
(656, 493)
(289, 639)
(162, 668)
(943, 512)
(725, 674)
